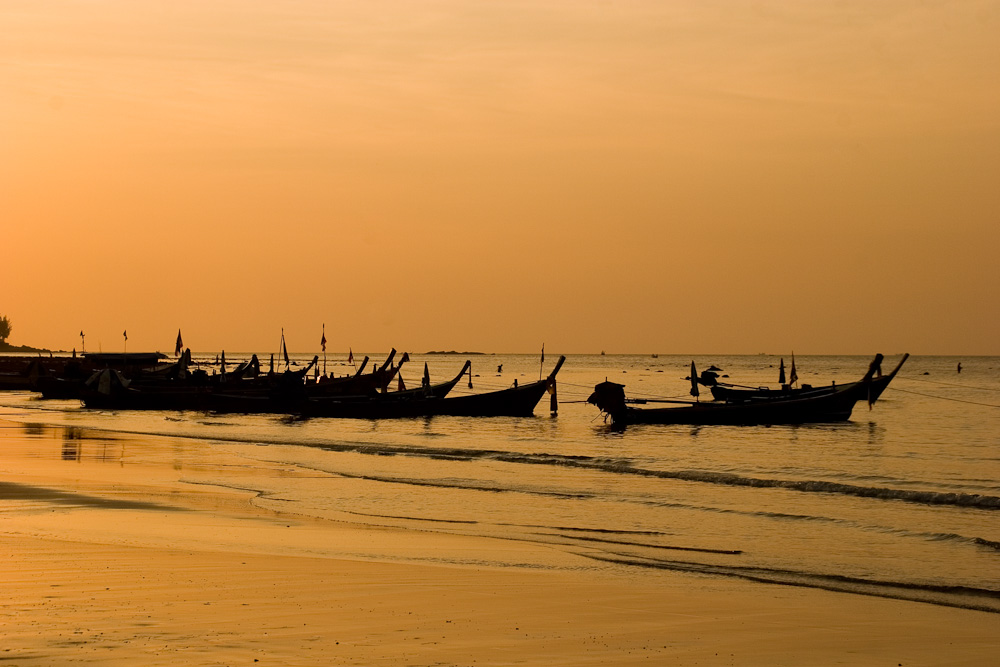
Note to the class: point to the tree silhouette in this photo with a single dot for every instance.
(5, 328)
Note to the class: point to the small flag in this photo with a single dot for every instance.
(350, 356)
(81, 333)
(793, 377)
(179, 345)
(125, 333)
(322, 341)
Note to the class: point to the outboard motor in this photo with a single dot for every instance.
(609, 397)
(708, 378)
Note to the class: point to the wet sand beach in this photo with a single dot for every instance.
(152, 550)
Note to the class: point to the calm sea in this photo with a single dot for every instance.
(903, 501)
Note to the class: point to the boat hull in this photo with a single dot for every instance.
(833, 407)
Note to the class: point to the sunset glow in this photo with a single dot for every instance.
(630, 177)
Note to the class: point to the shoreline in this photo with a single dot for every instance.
(138, 549)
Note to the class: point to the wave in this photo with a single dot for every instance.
(956, 499)
(617, 466)
(963, 597)
(645, 548)
(962, 539)
(624, 467)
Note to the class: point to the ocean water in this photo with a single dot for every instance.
(902, 501)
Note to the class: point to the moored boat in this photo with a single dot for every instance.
(516, 401)
(730, 392)
(373, 405)
(824, 406)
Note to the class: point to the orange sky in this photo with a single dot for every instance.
(644, 176)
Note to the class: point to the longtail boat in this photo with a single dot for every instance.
(110, 389)
(405, 403)
(360, 383)
(825, 406)
(516, 401)
(730, 392)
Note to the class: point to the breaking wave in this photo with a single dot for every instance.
(963, 597)
(624, 467)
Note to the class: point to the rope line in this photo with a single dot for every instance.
(945, 398)
(948, 384)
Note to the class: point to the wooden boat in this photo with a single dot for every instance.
(516, 401)
(826, 406)
(65, 378)
(406, 403)
(360, 383)
(19, 373)
(26, 373)
(278, 392)
(108, 389)
(731, 392)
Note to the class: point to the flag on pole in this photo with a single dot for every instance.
(350, 356)
(125, 333)
(322, 341)
(793, 377)
(694, 381)
(284, 349)
(179, 345)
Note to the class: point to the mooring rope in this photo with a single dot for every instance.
(945, 398)
(948, 384)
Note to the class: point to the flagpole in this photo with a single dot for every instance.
(541, 364)
(323, 345)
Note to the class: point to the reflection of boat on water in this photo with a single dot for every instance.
(828, 404)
